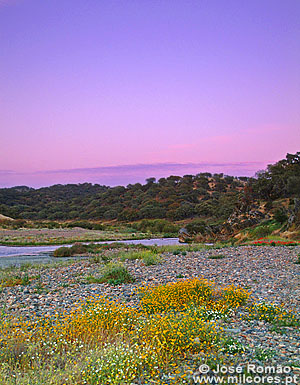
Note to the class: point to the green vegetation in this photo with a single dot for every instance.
(149, 257)
(77, 248)
(217, 256)
(9, 277)
(165, 201)
(62, 252)
(207, 205)
(232, 346)
(115, 274)
(274, 314)
(263, 354)
(106, 342)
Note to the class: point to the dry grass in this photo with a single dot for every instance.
(60, 236)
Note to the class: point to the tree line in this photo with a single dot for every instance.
(174, 198)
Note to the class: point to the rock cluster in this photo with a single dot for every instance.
(270, 273)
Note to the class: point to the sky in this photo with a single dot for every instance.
(115, 91)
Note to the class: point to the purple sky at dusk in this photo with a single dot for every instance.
(113, 92)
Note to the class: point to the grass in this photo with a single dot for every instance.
(116, 273)
(149, 257)
(26, 273)
(274, 314)
(92, 279)
(263, 354)
(152, 259)
(232, 346)
(216, 256)
(179, 249)
(63, 236)
(11, 278)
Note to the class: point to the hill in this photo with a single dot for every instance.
(174, 198)
(224, 203)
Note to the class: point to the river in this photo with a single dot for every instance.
(19, 255)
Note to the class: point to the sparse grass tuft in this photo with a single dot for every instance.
(263, 354)
(116, 273)
(216, 256)
(274, 314)
(151, 259)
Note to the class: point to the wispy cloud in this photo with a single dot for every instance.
(7, 3)
(156, 167)
(123, 174)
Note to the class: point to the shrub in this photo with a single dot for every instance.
(197, 226)
(116, 273)
(262, 231)
(78, 248)
(156, 226)
(175, 296)
(192, 293)
(151, 259)
(280, 216)
(62, 252)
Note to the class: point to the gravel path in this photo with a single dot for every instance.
(269, 272)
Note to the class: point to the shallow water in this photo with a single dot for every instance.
(18, 255)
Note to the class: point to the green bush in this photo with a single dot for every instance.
(280, 216)
(197, 226)
(62, 252)
(156, 226)
(151, 259)
(78, 248)
(116, 273)
(261, 231)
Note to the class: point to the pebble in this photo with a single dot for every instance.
(270, 273)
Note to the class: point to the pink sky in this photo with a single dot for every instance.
(105, 84)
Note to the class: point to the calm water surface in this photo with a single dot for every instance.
(18, 255)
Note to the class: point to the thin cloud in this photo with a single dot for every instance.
(124, 174)
(152, 167)
(6, 3)
(7, 172)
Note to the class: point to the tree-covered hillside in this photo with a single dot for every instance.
(175, 198)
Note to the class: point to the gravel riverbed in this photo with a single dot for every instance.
(270, 273)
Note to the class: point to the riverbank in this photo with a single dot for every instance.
(18, 256)
(270, 274)
(65, 236)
